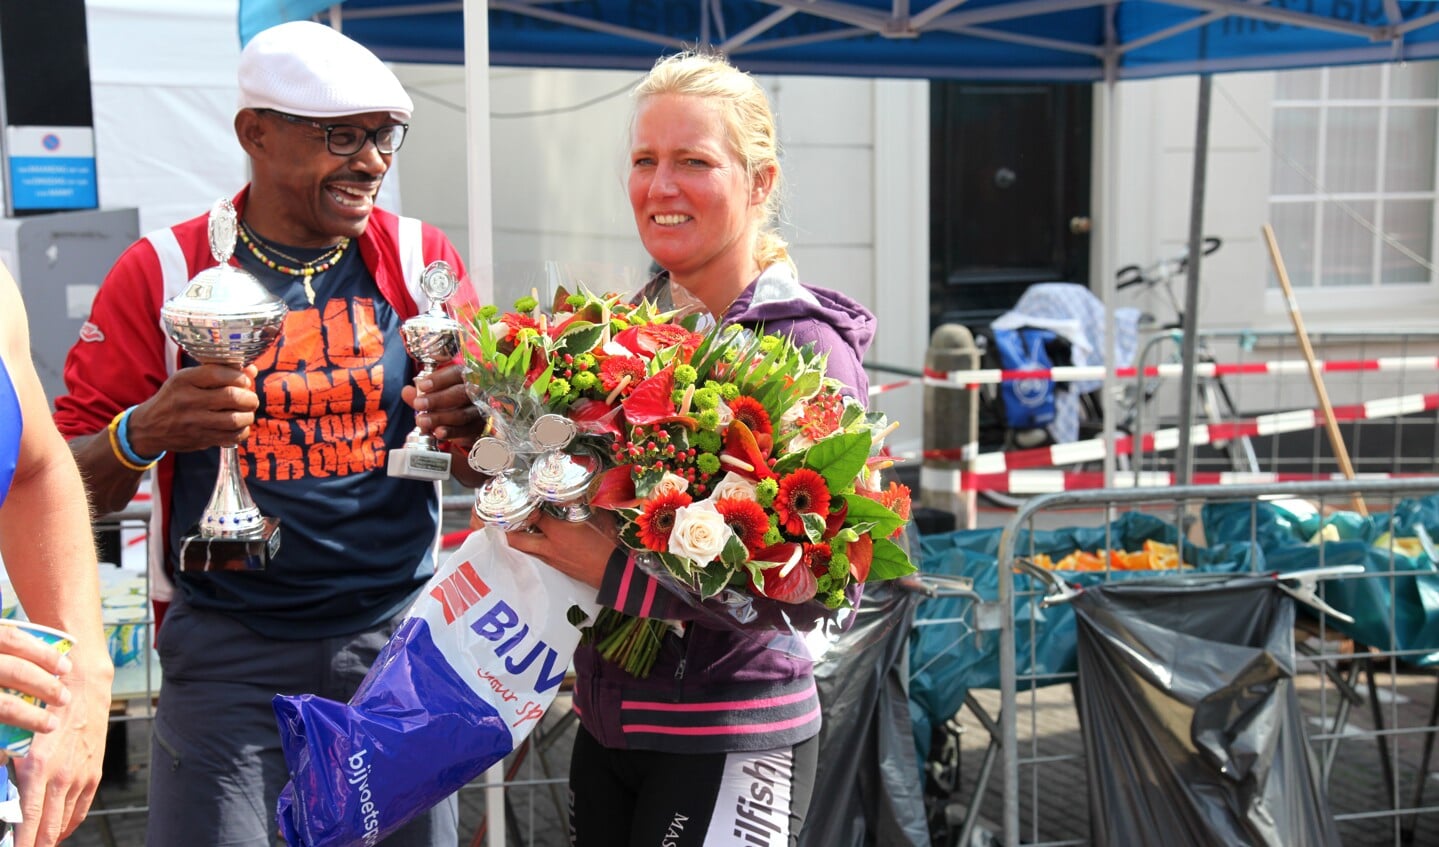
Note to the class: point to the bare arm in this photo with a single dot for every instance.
(46, 541)
(197, 408)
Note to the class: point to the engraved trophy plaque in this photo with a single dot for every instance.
(431, 339)
(226, 317)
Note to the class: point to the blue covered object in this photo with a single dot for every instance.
(947, 659)
(1412, 594)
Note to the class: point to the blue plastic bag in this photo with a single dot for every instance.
(1028, 403)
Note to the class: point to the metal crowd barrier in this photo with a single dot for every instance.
(1371, 708)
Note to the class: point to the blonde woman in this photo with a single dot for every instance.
(717, 744)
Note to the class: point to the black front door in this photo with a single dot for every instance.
(1009, 194)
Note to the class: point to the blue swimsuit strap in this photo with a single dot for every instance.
(10, 428)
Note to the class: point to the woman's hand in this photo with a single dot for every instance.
(579, 550)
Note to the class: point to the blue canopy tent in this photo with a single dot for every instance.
(975, 39)
(1052, 40)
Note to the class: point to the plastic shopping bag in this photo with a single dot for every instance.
(469, 673)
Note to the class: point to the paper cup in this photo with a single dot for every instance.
(14, 740)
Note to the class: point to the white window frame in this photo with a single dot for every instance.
(1358, 296)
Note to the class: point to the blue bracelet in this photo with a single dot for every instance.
(122, 437)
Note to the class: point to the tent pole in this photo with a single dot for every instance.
(480, 264)
(481, 259)
(1184, 460)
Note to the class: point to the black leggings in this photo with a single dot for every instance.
(640, 798)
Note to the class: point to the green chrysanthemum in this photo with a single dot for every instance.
(707, 462)
(584, 380)
(766, 491)
(559, 388)
(685, 376)
(526, 304)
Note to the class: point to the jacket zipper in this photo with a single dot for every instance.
(680, 667)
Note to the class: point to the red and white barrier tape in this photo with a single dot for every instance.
(992, 376)
(1047, 482)
(1094, 449)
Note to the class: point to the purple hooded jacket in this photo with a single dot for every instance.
(714, 689)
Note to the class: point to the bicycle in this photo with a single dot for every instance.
(1215, 403)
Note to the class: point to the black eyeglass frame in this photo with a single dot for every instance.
(367, 136)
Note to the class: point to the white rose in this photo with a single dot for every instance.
(670, 484)
(733, 486)
(699, 533)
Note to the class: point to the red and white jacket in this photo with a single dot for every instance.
(124, 355)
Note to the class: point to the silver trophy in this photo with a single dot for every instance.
(504, 500)
(560, 477)
(226, 317)
(431, 339)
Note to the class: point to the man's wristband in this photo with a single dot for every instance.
(120, 444)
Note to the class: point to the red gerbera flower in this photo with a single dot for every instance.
(615, 368)
(657, 519)
(821, 416)
(752, 413)
(514, 322)
(746, 518)
(896, 498)
(816, 557)
(800, 492)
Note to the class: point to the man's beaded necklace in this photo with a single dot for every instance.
(305, 271)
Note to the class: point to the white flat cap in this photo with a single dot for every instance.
(305, 68)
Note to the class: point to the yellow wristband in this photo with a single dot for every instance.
(115, 447)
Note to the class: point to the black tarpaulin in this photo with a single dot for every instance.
(1191, 723)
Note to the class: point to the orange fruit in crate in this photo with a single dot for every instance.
(1162, 557)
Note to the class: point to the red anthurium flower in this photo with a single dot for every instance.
(615, 490)
(595, 416)
(746, 518)
(657, 519)
(652, 400)
(834, 521)
(800, 492)
(743, 454)
(861, 556)
(785, 581)
(647, 339)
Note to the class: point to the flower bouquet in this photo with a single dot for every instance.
(741, 476)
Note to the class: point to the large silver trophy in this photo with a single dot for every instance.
(431, 339)
(226, 317)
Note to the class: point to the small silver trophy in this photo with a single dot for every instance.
(558, 477)
(431, 339)
(503, 500)
(226, 317)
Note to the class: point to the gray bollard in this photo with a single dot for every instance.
(951, 425)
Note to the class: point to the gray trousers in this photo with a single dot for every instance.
(216, 768)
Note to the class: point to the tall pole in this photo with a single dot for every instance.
(1184, 461)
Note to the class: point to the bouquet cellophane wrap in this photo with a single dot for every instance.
(469, 673)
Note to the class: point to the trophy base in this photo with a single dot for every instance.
(430, 465)
(205, 553)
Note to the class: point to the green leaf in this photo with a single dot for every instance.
(789, 461)
(579, 337)
(711, 579)
(646, 480)
(756, 573)
(814, 526)
(839, 458)
(889, 561)
(863, 510)
(734, 553)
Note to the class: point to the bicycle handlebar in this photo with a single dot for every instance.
(1132, 275)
